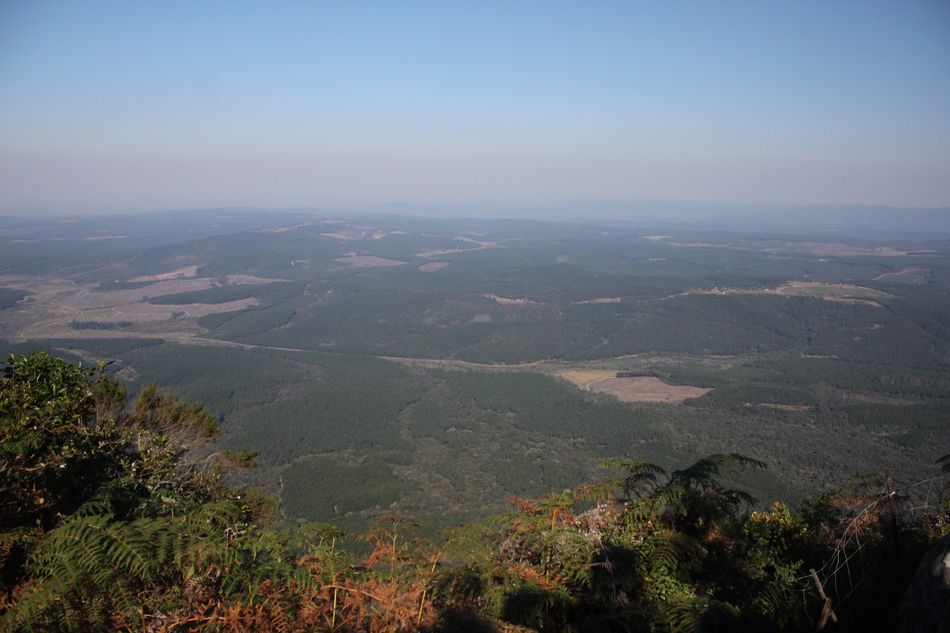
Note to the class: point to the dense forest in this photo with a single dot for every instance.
(110, 522)
(418, 364)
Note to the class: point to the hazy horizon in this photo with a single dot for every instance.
(114, 107)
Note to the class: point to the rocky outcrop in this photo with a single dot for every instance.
(925, 606)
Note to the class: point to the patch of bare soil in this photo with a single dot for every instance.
(646, 389)
(431, 267)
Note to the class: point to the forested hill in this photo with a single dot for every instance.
(109, 523)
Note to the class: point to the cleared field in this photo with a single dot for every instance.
(820, 249)
(645, 389)
(55, 303)
(179, 273)
(144, 312)
(911, 276)
(343, 235)
(837, 249)
(825, 290)
(510, 301)
(478, 245)
(842, 293)
(367, 261)
(599, 300)
(431, 267)
(845, 293)
(583, 378)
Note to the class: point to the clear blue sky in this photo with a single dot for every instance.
(172, 104)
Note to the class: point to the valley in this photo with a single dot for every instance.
(437, 366)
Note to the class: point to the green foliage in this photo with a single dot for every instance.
(154, 542)
(168, 413)
(242, 458)
(638, 476)
(54, 450)
(345, 493)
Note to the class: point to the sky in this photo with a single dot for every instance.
(146, 105)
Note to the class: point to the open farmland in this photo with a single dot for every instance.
(56, 307)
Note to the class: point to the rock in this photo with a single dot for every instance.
(925, 605)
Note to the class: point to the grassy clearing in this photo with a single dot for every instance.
(584, 377)
(829, 291)
(646, 389)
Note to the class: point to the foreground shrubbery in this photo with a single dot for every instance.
(105, 527)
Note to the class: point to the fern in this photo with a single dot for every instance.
(639, 476)
(92, 566)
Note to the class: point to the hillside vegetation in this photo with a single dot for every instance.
(109, 522)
